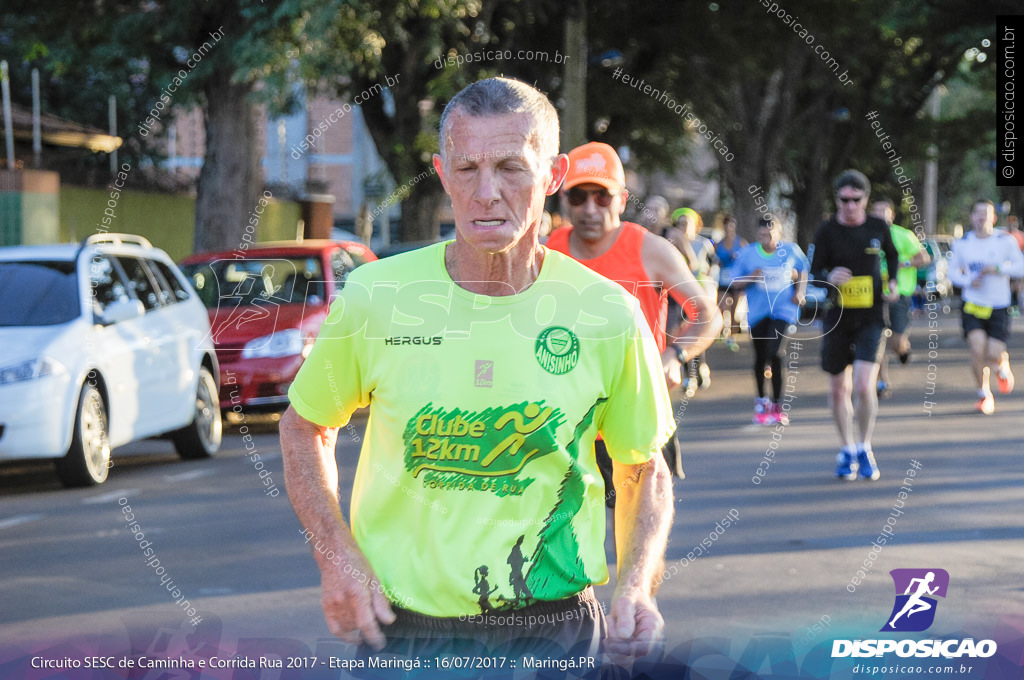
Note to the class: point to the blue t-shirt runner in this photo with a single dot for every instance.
(771, 279)
(771, 295)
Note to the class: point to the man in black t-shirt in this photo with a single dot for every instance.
(847, 253)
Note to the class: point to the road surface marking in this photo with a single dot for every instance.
(191, 474)
(109, 496)
(19, 519)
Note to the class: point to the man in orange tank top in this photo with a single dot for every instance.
(646, 265)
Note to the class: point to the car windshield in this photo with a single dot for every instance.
(38, 293)
(269, 280)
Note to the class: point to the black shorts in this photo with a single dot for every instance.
(573, 627)
(898, 314)
(996, 326)
(849, 342)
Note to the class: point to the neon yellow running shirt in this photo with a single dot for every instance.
(477, 488)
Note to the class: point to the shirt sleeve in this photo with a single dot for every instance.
(637, 419)
(800, 262)
(739, 265)
(955, 271)
(332, 382)
(1014, 266)
(907, 244)
(821, 258)
(892, 257)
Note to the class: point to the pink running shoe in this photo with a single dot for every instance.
(780, 416)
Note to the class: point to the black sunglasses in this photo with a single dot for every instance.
(847, 199)
(578, 197)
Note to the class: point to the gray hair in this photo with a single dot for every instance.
(502, 96)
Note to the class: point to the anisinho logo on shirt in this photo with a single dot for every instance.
(557, 350)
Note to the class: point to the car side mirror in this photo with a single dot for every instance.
(121, 310)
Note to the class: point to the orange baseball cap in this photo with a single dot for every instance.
(595, 163)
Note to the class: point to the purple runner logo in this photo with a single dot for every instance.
(914, 610)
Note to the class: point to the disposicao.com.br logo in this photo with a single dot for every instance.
(914, 611)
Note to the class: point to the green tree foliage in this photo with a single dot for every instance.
(138, 52)
(426, 51)
(781, 107)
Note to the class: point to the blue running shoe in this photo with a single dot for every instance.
(867, 466)
(846, 468)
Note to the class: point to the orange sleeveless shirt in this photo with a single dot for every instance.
(622, 263)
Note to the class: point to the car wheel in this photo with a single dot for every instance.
(87, 461)
(201, 438)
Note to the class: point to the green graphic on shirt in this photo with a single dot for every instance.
(557, 350)
(482, 450)
(556, 569)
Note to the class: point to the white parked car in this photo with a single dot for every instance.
(102, 343)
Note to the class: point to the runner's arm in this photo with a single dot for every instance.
(643, 518)
(921, 258)
(800, 290)
(892, 260)
(663, 262)
(353, 603)
(956, 271)
(1014, 265)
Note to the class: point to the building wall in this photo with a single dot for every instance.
(29, 207)
(168, 221)
(340, 154)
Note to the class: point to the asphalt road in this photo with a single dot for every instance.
(770, 591)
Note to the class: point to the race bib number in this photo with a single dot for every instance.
(978, 311)
(777, 279)
(857, 293)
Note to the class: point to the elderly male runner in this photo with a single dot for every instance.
(648, 266)
(489, 364)
(847, 252)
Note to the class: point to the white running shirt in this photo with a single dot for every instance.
(972, 254)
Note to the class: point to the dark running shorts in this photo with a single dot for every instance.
(849, 342)
(898, 315)
(996, 326)
(573, 627)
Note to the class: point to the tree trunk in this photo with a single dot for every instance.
(811, 200)
(231, 178)
(419, 211)
(757, 107)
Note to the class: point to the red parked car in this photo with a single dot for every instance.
(266, 305)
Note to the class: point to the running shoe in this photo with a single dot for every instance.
(732, 345)
(904, 357)
(704, 376)
(883, 390)
(779, 415)
(1004, 379)
(846, 467)
(867, 467)
(690, 387)
(986, 405)
(763, 411)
